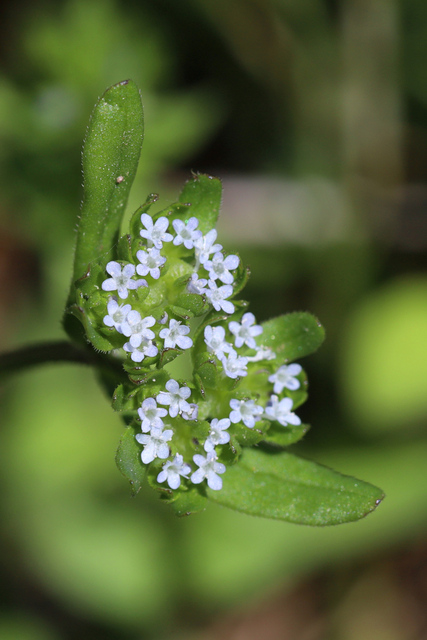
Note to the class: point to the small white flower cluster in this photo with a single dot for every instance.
(218, 268)
(155, 438)
(212, 278)
(129, 322)
(235, 365)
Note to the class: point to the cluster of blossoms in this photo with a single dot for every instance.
(163, 416)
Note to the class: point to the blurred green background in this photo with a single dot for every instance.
(314, 114)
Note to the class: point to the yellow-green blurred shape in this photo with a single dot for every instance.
(21, 627)
(384, 358)
(88, 546)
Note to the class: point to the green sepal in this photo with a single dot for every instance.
(249, 437)
(90, 327)
(138, 372)
(281, 436)
(284, 487)
(126, 399)
(204, 194)
(174, 210)
(229, 453)
(128, 459)
(193, 304)
(207, 374)
(124, 249)
(292, 336)
(110, 159)
(241, 277)
(167, 355)
(91, 281)
(179, 312)
(135, 224)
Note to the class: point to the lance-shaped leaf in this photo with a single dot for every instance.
(292, 336)
(285, 487)
(110, 159)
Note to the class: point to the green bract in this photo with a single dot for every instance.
(165, 290)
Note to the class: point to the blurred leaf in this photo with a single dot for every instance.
(292, 336)
(110, 159)
(128, 459)
(204, 194)
(284, 487)
(384, 359)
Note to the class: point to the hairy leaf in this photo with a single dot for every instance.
(285, 487)
(110, 159)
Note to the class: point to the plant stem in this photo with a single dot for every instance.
(60, 351)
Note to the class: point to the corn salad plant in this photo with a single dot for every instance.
(166, 291)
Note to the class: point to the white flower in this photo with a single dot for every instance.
(155, 444)
(172, 470)
(209, 467)
(245, 411)
(235, 365)
(196, 285)
(263, 353)
(193, 413)
(204, 246)
(176, 335)
(155, 234)
(176, 398)
(150, 261)
(145, 350)
(187, 233)
(121, 280)
(151, 415)
(216, 343)
(217, 434)
(245, 333)
(219, 267)
(116, 315)
(136, 328)
(281, 411)
(285, 377)
(217, 297)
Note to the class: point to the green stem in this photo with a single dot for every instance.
(60, 351)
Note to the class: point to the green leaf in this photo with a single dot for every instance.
(188, 502)
(285, 487)
(292, 336)
(110, 159)
(203, 193)
(128, 459)
(285, 436)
